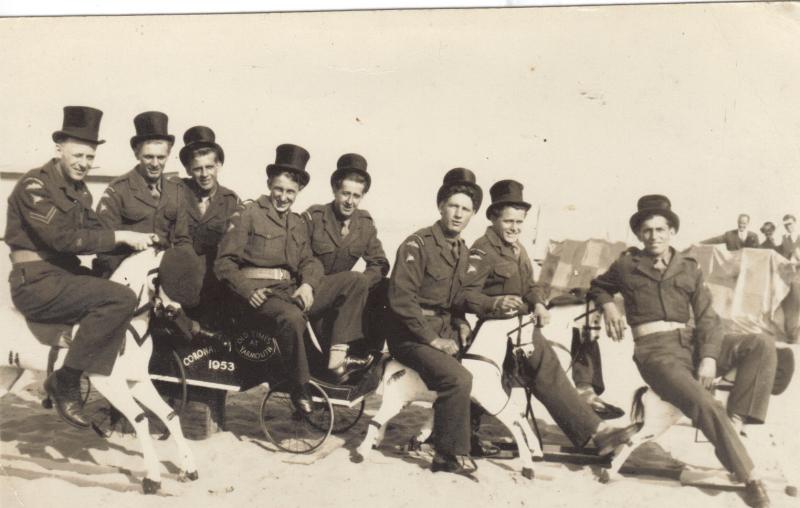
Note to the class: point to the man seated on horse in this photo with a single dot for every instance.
(342, 233)
(197, 217)
(265, 257)
(501, 266)
(131, 200)
(427, 292)
(50, 221)
(662, 289)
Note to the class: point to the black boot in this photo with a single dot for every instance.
(301, 399)
(63, 388)
(351, 365)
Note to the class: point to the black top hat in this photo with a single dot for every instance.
(460, 176)
(150, 125)
(80, 122)
(351, 163)
(196, 137)
(290, 158)
(784, 370)
(654, 204)
(506, 192)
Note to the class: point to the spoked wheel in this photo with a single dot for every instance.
(344, 418)
(291, 430)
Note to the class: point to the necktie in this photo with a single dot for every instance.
(154, 190)
(345, 228)
(516, 249)
(660, 265)
(203, 204)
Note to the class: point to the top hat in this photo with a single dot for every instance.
(80, 122)
(506, 192)
(290, 158)
(460, 176)
(150, 125)
(351, 163)
(654, 204)
(196, 137)
(784, 370)
(181, 274)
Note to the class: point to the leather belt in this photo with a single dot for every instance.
(256, 272)
(655, 327)
(27, 256)
(434, 312)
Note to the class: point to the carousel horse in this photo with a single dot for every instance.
(128, 387)
(483, 358)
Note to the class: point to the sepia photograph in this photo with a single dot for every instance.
(498, 256)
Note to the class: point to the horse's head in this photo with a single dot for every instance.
(139, 272)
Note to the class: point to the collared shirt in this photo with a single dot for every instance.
(48, 214)
(653, 296)
(427, 275)
(339, 253)
(258, 236)
(499, 271)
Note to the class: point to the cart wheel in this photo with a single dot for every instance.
(174, 394)
(344, 418)
(287, 428)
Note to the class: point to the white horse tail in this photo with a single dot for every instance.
(637, 406)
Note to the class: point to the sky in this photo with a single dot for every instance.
(589, 107)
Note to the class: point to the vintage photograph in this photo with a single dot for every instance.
(520, 256)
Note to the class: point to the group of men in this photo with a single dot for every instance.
(289, 269)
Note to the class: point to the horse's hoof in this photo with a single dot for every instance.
(791, 490)
(47, 403)
(184, 477)
(527, 472)
(357, 457)
(604, 476)
(150, 487)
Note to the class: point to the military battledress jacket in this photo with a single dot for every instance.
(650, 296)
(259, 237)
(340, 254)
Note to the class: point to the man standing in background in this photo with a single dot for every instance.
(738, 238)
(790, 248)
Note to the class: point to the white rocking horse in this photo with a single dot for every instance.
(129, 381)
(401, 385)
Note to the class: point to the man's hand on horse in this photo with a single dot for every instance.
(541, 314)
(135, 240)
(306, 293)
(447, 346)
(615, 322)
(706, 372)
(507, 304)
(258, 297)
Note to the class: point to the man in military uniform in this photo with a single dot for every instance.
(265, 257)
(427, 290)
(501, 266)
(660, 287)
(50, 221)
(342, 233)
(198, 216)
(131, 200)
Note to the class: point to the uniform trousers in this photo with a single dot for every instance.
(65, 293)
(667, 362)
(443, 374)
(339, 297)
(546, 378)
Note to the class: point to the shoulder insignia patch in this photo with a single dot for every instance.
(102, 207)
(471, 268)
(412, 243)
(417, 239)
(410, 257)
(45, 218)
(32, 183)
